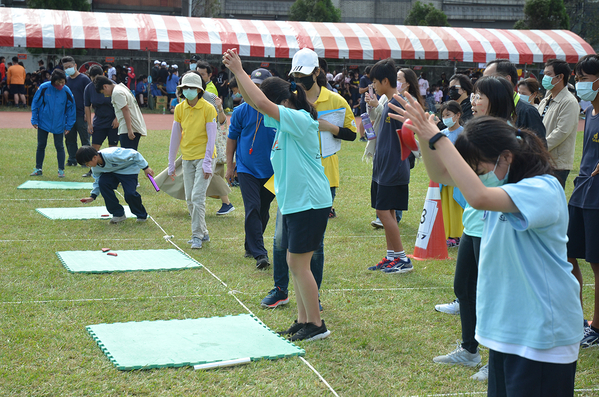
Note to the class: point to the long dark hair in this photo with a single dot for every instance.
(485, 138)
(413, 89)
(277, 90)
(500, 93)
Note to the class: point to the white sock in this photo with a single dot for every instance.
(401, 255)
(390, 255)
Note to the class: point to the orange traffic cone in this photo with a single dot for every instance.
(430, 240)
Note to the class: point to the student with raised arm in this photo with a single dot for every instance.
(533, 345)
(301, 186)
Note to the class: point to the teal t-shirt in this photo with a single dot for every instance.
(300, 182)
(526, 293)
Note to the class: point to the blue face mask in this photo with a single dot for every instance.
(525, 98)
(70, 71)
(193, 66)
(237, 95)
(190, 93)
(490, 179)
(547, 82)
(585, 91)
(449, 122)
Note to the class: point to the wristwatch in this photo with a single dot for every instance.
(434, 139)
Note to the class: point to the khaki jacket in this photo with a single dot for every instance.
(561, 123)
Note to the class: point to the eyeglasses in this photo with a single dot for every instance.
(474, 98)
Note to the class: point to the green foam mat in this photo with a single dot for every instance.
(56, 185)
(125, 260)
(80, 213)
(178, 343)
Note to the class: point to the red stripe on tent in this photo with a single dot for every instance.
(303, 38)
(228, 35)
(351, 40)
(33, 29)
(565, 45)
(118, 31)
(544, 47)
(328, 40)
(92, 32)
(380, 47)
(407, 49)
(430, 49)
(200, 33)
(454, 50)
(479, 53)
(254, 38)
(278, 38)
(175, 36)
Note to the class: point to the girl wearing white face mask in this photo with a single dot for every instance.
(452, 211)
(194, 132)
(527, 304)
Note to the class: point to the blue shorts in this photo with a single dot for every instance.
(303, 231)
(100, 134)
(583, 234)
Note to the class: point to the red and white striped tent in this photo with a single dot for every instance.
(20, 27)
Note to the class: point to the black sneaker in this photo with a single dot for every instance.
(71, 164)
(262, 262)
(248, 254)
(87, 174)
(311, 332)
(295, 327)
(276, 297)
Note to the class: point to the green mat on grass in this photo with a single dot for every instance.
(177, 343)
(56, 185)
(125, 260)
(80, 213)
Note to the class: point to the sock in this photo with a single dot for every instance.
(390, 255)
(595, 329)
(401, 255)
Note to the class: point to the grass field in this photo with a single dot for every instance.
(385, 331)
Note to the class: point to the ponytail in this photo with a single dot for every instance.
(485, 138)
(277, 90)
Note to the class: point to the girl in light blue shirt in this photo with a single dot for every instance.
(301, 187)
(527, 302)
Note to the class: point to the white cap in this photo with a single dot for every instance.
(163, 64)
(304, 61)
(175, 66)
(156, 62)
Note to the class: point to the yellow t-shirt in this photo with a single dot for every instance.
(193, 121)
(328, 100)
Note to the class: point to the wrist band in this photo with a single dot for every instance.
(434, 139)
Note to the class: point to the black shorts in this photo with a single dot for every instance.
(17, 89)
(303, 231)
(389, 197)
(100, 134)
(583, 234)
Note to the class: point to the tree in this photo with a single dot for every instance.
(582, 14)
(205, 8)
(426, 15)
(544, 14)
(314, 11)
(73, 5)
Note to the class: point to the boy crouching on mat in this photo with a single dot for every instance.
(109, 167)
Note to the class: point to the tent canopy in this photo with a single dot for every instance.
(21, 27)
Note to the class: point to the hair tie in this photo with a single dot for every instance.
(519, 134)
(293, 86)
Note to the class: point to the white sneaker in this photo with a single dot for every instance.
(459, 356)
(196, 243)
(118, 219)
(377, 224)
(449, 308)
(482, 374)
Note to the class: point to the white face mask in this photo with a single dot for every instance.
(190, 93)
(449, 122)
(585, 90)
(490, 179)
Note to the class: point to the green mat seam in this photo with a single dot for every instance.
(88, 328)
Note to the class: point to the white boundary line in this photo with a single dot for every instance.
(231, 292)
(474, 393)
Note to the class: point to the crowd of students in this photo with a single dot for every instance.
(501, 155)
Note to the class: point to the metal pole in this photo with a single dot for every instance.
(190, 2)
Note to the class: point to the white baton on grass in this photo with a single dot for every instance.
(227, 363)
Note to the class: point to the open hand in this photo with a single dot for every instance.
(232, 61)
(423, 124)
